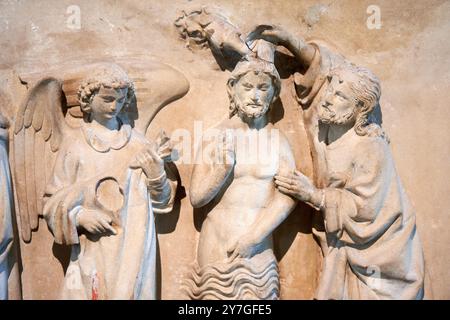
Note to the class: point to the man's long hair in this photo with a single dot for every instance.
(253, 64)
(367, 92)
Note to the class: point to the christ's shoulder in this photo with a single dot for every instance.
(285, 149)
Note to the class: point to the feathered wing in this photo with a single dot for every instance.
(39, 130)
(156, 85)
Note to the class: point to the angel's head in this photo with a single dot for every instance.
(105, 93)
(252, 88)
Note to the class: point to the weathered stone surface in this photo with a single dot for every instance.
(407, 54)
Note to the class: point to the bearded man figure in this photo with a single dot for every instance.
(234, 181)
(370, 242)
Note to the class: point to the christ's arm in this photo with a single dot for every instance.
(210, 174)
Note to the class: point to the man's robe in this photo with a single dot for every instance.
(370, 244)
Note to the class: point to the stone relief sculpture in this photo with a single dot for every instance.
(98, 185)
(80, 159)
(367, 233)
(235, 258)
(235, 254)
(370, 244)
(207, 27)
(6, 210)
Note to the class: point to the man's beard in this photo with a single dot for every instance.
(248, 112)
(329, 117)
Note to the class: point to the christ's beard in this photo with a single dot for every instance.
(329, 117)
(251, 113)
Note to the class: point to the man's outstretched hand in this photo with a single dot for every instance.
(270, 33)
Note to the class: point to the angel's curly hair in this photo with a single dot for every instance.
(107, 76)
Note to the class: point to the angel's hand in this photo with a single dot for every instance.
(164, 146)
(150, 162)
(95, 222)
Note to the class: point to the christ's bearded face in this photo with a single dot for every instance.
(338, 106)
(253, 94)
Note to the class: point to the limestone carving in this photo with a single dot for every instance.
(98, 183)
(294, 192)
(370, 242)
(207, 27)
(6, 210)
(235, 258)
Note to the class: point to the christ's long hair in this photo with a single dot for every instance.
(253, 64)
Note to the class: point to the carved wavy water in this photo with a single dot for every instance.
(241, 279)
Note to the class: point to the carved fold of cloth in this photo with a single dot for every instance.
(121, 266)
(242, 279)
(6, 207)
(371, 246)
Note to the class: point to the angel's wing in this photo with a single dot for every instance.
(156, 86)
(38, 132)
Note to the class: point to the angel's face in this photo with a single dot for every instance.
(107, 103)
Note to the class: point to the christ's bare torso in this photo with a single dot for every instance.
(250, 190)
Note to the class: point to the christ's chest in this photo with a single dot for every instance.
(256, 165)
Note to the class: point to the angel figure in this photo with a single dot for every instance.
(102, 188)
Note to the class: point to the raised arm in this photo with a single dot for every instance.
(210, 174)
(303, 51)
(163, 190)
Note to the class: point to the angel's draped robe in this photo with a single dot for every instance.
(371, 246)
(6, 207)
(118, 266)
